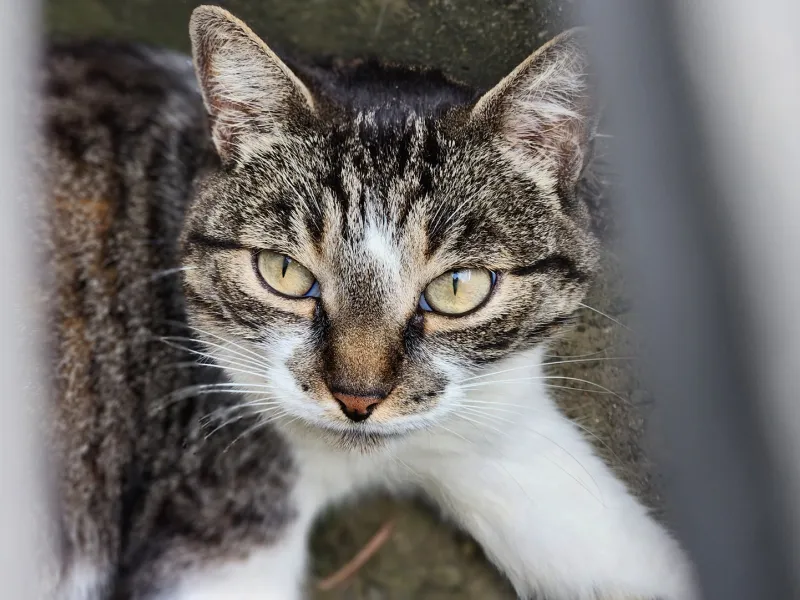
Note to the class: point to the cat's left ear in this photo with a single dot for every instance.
(250, 94)
(543, 111)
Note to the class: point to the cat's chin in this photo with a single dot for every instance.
(356, 438)
(361, 441)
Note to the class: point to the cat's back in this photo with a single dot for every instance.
(103, 101)
(123, 135)
(120, 122)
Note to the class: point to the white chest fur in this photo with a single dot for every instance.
(510, 469)
(522, 479)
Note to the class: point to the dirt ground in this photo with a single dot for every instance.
(478, 41)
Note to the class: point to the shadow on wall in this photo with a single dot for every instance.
(477, 41)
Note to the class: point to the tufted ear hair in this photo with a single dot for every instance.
(543, 110)
(251, 96)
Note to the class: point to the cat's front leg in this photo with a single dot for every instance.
(274, 572)
(553, 516)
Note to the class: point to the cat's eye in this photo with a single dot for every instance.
(284, 275)
(457, 292)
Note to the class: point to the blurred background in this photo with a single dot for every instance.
(703, 98)
(476, 40)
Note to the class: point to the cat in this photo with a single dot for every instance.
(276, 286)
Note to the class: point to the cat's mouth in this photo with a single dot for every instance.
(383, 431)
(357, 437)
(364, 441)
(366, 435)
(347, 419)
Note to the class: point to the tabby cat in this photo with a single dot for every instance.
(332, 292)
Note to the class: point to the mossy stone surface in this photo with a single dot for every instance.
(478, 41)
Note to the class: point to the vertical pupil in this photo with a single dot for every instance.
(286, 261)
(455, 282)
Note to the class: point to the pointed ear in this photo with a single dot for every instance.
(543, 110)
(250, 95)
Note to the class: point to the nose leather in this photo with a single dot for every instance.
(357, 408)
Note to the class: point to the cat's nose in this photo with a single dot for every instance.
(357, 407)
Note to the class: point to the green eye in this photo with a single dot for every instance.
(458, 292)
(284, 275)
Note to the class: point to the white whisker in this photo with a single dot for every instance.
(487, 405)
(543, 377)
(168, 272)
(573, 388)
(225, 423)
(460, 415)
(220, 338)
(499, 463)
(557, 362)
(450, 431)
(214, 358)
(250, 387)
(475, 412)
(586, 360)
(257, 362)
(247, 431)
(397, 459)
(197, 365)
(586, 355)
(602, 314)
(266, 401)
(209, 389)
(155, 276)
(495, 373)
(261, 423)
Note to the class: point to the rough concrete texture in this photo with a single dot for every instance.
(478, 41)
(475, 40)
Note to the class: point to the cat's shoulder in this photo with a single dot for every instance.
(115, 66)
(108, 102)
(117, 87)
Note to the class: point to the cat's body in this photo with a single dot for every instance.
(125, 137)
(157, 502)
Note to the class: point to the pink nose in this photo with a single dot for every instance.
(357, 408)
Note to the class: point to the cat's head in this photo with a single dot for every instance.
(357, 265)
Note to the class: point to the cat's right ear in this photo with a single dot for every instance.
(544, 111)
(251, 96)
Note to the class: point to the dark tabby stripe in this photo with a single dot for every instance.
(555, 264)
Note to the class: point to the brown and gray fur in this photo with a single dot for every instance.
(134, 167)
(143, 490)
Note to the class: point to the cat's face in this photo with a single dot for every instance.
(365, 267)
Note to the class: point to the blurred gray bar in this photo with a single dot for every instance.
(744, 63)
(27, 560)
(698, 314)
